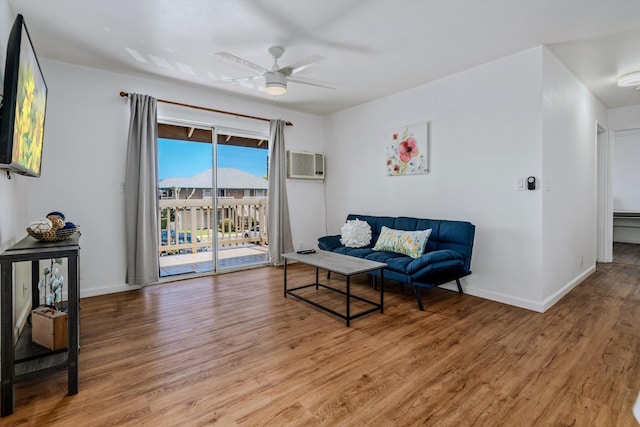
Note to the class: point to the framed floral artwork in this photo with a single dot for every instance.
(408, 150)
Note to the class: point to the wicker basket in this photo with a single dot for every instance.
(53, 235)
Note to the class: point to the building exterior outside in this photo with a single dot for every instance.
(232, 183)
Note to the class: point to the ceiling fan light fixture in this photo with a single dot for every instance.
(276, 79)
(630, 79)
(276, 89)
(275, 83)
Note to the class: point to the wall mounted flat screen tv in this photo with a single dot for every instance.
(24, 105)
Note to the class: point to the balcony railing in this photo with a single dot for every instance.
(185, 225)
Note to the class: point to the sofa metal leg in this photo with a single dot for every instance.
(459, 286)
(419, 298)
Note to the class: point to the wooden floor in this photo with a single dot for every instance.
(232, 351)
(626, 253)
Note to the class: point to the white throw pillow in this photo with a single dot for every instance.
(356, 234)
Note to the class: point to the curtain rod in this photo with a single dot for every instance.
(123, 94)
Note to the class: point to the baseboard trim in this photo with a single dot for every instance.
(555, 297)
(22, 319)
(94, 292)
(497, 297)
(538, 306)
(627, 240)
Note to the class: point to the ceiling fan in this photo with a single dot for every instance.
(277, 78)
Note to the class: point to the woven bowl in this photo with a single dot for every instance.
(53, 235)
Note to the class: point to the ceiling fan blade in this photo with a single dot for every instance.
(238, 79)
(232, 57)
(310, 82)
(302, 64)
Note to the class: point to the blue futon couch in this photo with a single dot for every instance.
(447, 255)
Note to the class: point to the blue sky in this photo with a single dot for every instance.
(181, 159)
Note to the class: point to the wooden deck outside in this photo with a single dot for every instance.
(186, 235)
(201, 262)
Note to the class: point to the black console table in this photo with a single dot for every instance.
(20, 359)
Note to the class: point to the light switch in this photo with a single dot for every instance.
(520, 184)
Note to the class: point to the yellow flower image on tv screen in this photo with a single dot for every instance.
(28, 131)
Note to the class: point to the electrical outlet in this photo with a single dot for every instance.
(581, 260)
(24, 290)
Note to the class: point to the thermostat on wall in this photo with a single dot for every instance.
(531, 183)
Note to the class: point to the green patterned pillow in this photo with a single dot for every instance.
(410, 243)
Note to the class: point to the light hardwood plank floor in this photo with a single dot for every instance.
(626, 253)
(230, 350)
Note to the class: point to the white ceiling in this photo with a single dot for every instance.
(373, 47)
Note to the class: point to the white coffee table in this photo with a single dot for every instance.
(341, 264)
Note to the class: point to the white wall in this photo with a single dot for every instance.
(84, 160)
(569, 179)
(625, 174)
(485, 133)
(489, 126)
(624, 118)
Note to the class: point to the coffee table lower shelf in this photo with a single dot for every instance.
(341, 264)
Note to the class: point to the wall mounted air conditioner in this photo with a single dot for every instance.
(304, 165)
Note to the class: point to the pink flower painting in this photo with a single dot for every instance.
(407, 152)
(408, 149)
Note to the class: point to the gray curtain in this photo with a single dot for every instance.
(141, 194)
(279, 228)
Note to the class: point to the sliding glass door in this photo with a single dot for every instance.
(212, 199)
(185, 192)
(241, 203)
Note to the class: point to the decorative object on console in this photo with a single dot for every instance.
(53, 228)
(56, 221)
(41, 225)
(356, 234)
(49, 328)
(408, 150)
(52, 281)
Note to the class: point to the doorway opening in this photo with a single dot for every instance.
(625, 176)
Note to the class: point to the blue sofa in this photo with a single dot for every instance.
(447, 256)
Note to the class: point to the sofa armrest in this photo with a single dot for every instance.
(329, 243)
(432, 258)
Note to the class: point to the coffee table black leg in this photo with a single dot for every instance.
(317, 269)
(285, 277)
(382, 291)
(348, 300)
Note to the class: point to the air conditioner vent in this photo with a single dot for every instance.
(305, 165)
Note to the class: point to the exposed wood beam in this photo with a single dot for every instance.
(181, 133)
